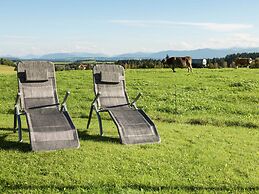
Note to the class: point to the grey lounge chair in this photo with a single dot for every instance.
(50, 127)
(134, 126)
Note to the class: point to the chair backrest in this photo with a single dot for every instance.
(36, 83)
(109, 81)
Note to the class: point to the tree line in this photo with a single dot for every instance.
(141, 63)
(224, 62)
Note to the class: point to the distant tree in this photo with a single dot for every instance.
(143, 63)
(221, 63)
(7, 62)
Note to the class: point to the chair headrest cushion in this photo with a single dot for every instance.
(36, 74)
(110, 77)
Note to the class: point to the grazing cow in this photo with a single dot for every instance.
(243, 61)
(82, 67)
(174, 62)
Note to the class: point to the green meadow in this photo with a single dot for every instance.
(6, 69)
(208, 122)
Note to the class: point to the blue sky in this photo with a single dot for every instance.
(119, 26)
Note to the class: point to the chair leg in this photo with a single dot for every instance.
(14, 121)
(19, 128)
(90, 117)
(100, 123)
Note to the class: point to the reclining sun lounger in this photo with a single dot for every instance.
(134, 126)
(50, 127)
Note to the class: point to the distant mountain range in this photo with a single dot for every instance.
(196, 54)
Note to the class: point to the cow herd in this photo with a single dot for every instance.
(186, 62)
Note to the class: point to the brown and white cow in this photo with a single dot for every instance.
(243, 62)
(181, 62)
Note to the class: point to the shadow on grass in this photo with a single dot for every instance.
(218, 123)
(83, 135)
(12, 145)
(6, 129)
(138, 187)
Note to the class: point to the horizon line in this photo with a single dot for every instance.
(116, 54)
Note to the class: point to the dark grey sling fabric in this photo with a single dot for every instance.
(49, 128)
(134, 126)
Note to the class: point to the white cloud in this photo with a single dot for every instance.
(23, 45)
(234, 40)
(242, 40)
(18, 45)
(219, 26)
(166, 23)
(18, 37)
(181, 45)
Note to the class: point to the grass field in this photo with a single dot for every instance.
(6, 69)
(208, 122)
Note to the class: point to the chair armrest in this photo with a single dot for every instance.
(96, 98)
(133, 103)
(18, 97)
(63, 104)
(17, 102)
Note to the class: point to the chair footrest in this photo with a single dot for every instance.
(133, 126)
